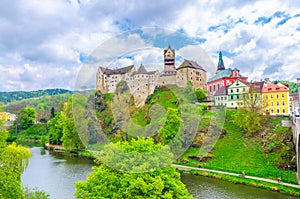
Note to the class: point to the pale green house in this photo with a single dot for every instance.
(235, 93)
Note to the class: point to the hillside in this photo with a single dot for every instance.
(268, 153)
(42, 105)
(7, 97)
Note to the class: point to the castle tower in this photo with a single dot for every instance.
(221, 63)
(169, 59)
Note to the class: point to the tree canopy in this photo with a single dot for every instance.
(108, 182)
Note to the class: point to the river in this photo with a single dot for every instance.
(56, 173)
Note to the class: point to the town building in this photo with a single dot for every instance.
(276, 99)
(220, 97)
(223, 77)
(142, 83)
(235, 93)
(7, 117)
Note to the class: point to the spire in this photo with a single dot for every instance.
(221, 63)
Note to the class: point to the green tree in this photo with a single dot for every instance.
(170, 129)
(200, 94)
(26, 118)
(107, 182)
(13, 161)
(56, 129)
(250, 122)
(70, 139)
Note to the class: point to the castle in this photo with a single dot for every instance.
(142, 83)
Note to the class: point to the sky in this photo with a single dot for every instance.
(49, 43)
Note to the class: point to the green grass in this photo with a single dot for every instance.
(234, 153)
(255, 183)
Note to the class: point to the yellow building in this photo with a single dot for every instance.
(276, 99)
(7, 117)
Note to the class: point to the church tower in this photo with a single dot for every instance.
(169, 59)
(221, 63)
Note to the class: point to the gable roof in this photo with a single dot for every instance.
(238, 80)
(256, 86)
(190, 64)
(224, 73)
(270, 88)
(142, 70)
(123, 70)
(222, 91)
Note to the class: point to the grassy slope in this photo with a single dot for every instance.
(235, 153)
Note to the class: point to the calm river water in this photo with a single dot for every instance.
(56, 174)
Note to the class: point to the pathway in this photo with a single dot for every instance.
(182, 167)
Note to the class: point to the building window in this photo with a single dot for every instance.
(209, 87)
(282, 95)
(218, 86)
(238, 97)
(282, 103)
(231, 97)
(221, 98)
(277, 110)
(277, 96)
(277, 103)
(244, 89)
(272, 104)
(283, 110)
(266, 97)
(237, 90)
(214, 87)
(272, 96)
(231, 90)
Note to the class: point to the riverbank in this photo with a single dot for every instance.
(268, 184)
(285, 188)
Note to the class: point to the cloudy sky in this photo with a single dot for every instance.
(46, 43)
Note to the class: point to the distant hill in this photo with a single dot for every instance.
(7, 97)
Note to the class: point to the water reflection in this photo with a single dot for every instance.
(56, 174)
(204, 188)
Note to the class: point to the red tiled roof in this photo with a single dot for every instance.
(269, 88)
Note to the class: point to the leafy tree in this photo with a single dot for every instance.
(250, 122)
(26, 118)
(56, 129)
(170, 129)
(70, 138)
(13, 161)
(252, 100)
(107, 182)
(200, 94)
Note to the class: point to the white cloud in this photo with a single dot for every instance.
(55, 36)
